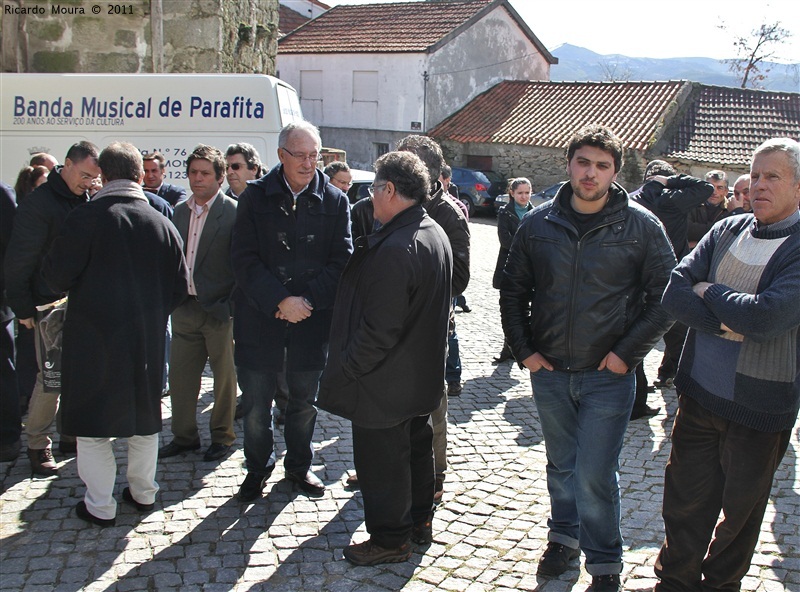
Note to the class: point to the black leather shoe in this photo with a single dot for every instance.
(454, 388)
(84, 514)
(173, 449)
(216, 451)
(368, 553)
(68, 447)
(252, 487)
(663, 381)
(639, 412)
(606, 583)
(128, 499)
(308, 482)
(504, 356)
(556, 559)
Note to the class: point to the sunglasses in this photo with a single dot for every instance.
(236, 166)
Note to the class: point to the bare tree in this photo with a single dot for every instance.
(614, 71)
(753, 52)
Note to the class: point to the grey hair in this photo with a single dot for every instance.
(298, 126)
(716, 175)
(787, 145)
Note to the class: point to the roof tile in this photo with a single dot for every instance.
(392, 27)
(725, 125)
(547, 114)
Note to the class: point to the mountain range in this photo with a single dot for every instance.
(577, 64)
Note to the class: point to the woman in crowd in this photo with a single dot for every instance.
(29, 179)
(508, 218)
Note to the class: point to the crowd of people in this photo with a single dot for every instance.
(124, 287)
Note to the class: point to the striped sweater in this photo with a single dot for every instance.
(750, 374)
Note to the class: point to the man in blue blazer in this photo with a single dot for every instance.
(154, 167)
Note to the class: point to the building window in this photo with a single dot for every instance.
(365, 86)
(381, 148)
(311, 85)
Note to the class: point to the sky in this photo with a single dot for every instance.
(675, 28)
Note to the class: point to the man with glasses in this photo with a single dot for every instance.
(38, 221)
(290, 245)
(243, 165)
(339, 173)
(387, 359)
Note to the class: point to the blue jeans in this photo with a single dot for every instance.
(584, 416)
(258, 390)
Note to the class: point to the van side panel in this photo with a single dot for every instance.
(171, 113)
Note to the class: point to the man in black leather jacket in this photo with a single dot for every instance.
(580, 301)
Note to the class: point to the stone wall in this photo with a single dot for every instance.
(143, 36)
(543, 166)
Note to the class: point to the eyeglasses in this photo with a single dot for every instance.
(313, 157)
(372, 188)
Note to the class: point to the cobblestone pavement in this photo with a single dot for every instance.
(488, 533)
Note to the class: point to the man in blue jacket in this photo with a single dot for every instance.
(580, 301)
(738, 381)
(290, 244)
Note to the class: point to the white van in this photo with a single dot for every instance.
(168, 113)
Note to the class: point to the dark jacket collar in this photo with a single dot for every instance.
(408, 216)
(60, 187)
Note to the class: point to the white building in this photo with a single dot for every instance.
(369, 75)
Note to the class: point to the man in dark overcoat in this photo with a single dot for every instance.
(387, 358)
(36, 224)
(122, 264)
(290, 244)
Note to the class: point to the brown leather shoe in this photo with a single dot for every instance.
(438, 490)
(42, 462)
(352, 482)
(368, 553)
(422, 533)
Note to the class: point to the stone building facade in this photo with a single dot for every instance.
(204, 36)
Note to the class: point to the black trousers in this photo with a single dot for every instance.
(673, 346)
(395, 473)
(715, 466)
(10, 419)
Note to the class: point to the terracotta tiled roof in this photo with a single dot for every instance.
(548, 113)
(289, 20)
(725, 125)
(381, 28)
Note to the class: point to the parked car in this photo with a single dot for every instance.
(361, 182)
(473, 190)
(537, 199)
(499, 183)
